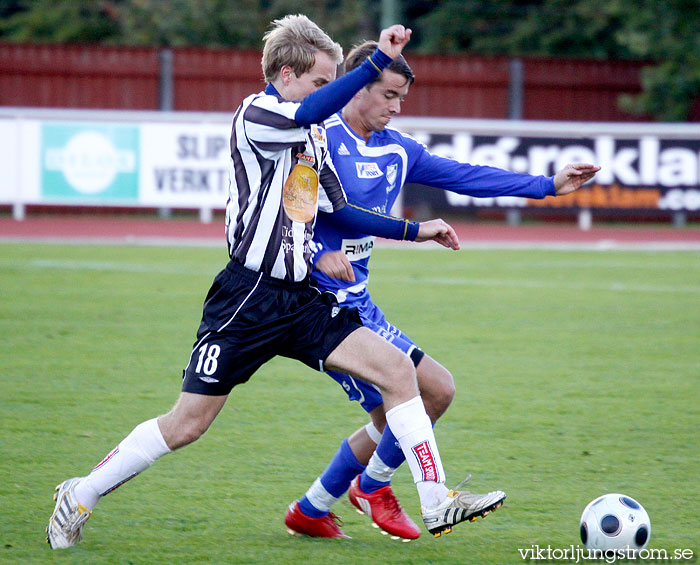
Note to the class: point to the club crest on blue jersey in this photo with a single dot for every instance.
(391, 176)
(368, 170)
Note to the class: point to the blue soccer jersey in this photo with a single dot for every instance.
(372, 175)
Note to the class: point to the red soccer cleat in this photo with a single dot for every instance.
(384, 510)
(299, 523)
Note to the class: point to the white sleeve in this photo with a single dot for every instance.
(270, 125)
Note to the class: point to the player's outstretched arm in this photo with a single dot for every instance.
(573, 176)
(393, 39)
(439, 231)
(337, 265)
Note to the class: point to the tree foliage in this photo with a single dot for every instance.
(663, 32)
(666, 32)
(59, 21)
(176, 23)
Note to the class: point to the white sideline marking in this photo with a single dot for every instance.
(652, 261)
(532, 284)
(600, 245)
(111, 266)
(105, 266)
(116, 241)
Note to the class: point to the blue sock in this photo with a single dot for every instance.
(336, 479)
(391, 454)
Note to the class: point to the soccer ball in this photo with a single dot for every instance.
(615, 521)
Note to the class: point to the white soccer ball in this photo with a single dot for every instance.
(615, 521)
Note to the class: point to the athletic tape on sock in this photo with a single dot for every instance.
(373, 432)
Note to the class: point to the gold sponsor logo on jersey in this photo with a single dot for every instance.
(300, 193)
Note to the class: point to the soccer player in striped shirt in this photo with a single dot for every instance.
(262, 304)
(373, 163)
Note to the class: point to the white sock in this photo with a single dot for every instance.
(431, 494)
(136, 453)
(412, 427)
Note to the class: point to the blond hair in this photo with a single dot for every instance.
(294, 41)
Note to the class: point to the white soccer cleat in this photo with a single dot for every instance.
(68, 518)
(459, 507)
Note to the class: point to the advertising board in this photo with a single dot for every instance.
(653, 169)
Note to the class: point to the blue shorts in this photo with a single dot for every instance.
(372, 317)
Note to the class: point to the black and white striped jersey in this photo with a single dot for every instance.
(280, 176)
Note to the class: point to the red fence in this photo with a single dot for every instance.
(74, 76)
(567, 89)
(473, 87)
(215, 81)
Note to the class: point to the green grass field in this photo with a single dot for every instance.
(577, 374)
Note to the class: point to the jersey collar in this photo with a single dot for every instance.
(269, 89)
(351, 132)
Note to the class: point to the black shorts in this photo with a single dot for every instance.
(249, 318)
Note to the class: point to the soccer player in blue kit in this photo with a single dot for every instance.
(262, 303)
(373, 163)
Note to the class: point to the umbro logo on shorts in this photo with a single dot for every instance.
(209, 379)
(334, 311)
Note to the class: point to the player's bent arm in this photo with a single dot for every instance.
(332, 97)
(357, 218)
(269, 113)
(360, 219)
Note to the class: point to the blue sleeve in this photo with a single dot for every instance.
(475, 180)
(332, 97)
(360, 219)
